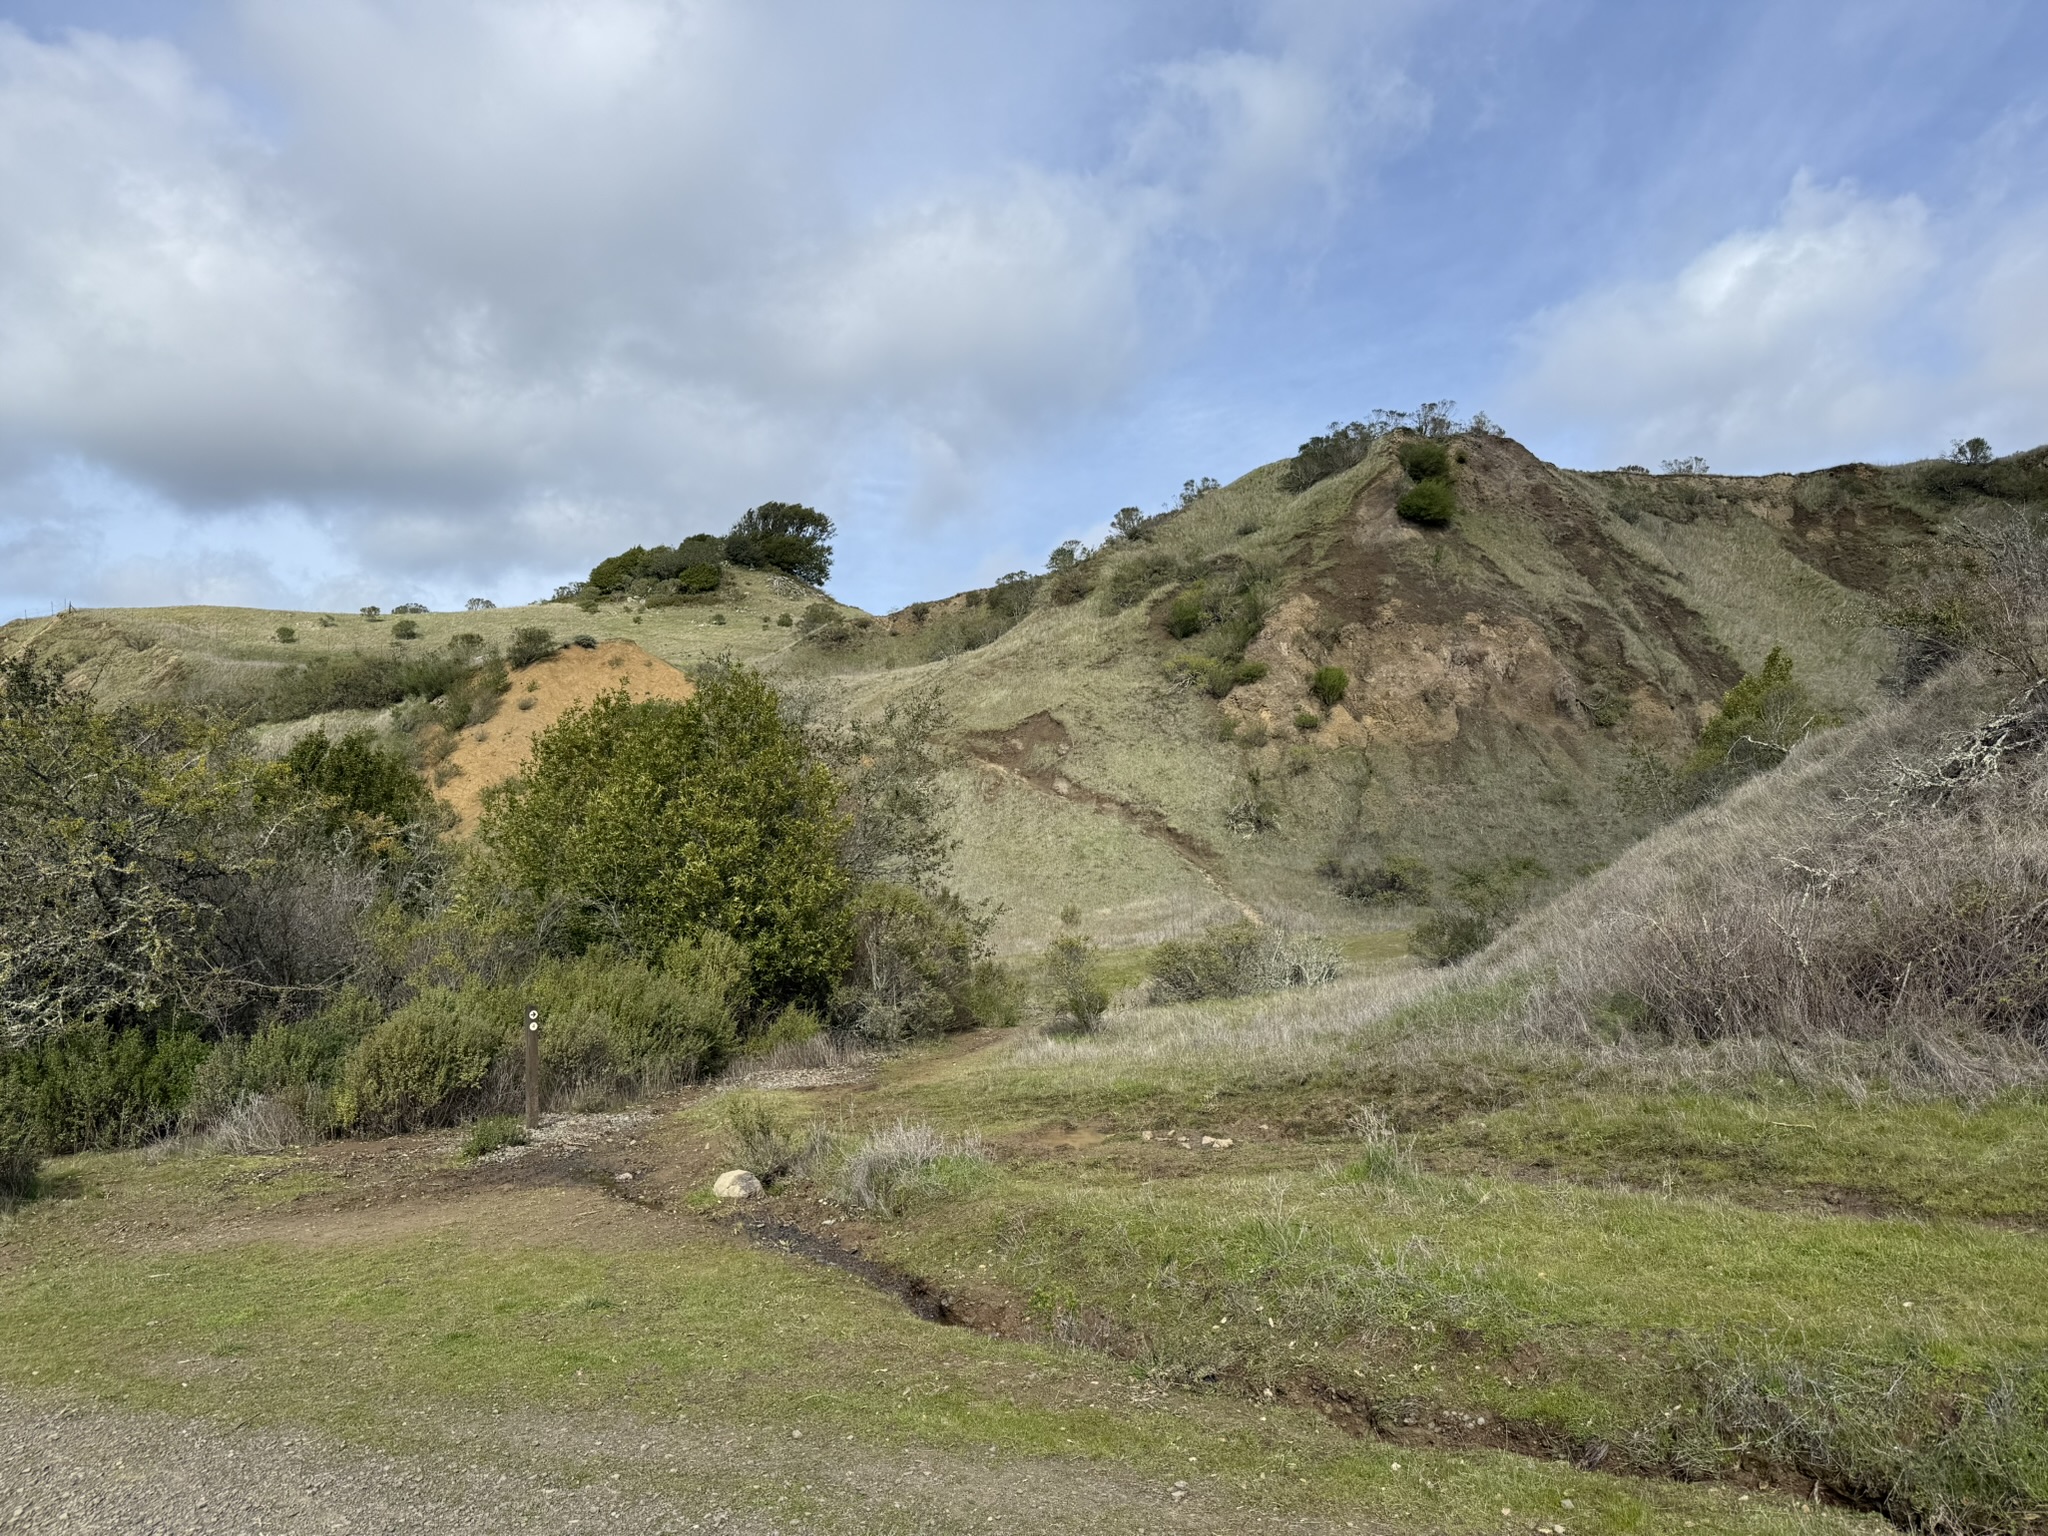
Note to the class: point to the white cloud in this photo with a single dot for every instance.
(509, 280)
(1770, 345)
(1849, 328)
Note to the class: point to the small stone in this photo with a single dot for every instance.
(1218, 1142)
(738, 1184)
(624, 1178)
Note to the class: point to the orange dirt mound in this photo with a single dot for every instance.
(493, 752)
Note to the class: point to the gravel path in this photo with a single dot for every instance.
(110, 1472)
(148, 1474)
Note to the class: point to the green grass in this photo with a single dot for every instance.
(409, 1344)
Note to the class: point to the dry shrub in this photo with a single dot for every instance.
(261, 1123)
(1886, 898)
(1239, 959)
(892, 1162)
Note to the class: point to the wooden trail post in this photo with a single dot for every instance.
(532, 1067)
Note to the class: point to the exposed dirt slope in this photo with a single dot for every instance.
(541, 694)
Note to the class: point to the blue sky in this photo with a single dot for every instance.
(328, 302)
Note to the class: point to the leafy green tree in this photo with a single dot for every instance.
(786, 537)
(655, 821)
(124, 838)
(1761, 719)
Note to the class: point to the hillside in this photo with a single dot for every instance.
(1504, 673)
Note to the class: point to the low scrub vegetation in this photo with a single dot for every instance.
(1236, 960)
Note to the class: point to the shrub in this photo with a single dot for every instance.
(1307, 720)
(1425, 459)
(1132, 577)
(286, 635)
(1396, 880)
(913, 964)
(1220, 675)
(21, 1158)
(1186, 615)
(996, 995)
(1236, 960)
(656, 821)
(1760, 720)
(784, 536)
(1432, 504)
(615, 1025)
(493, 1133)
(529, 644)
(429, 1064)
(783, 621)
(791, 1029)
(1333, 452)
(405, 629)
(357, 780)
(290, 1063)
(1329, 685)
(699, 578)
(91, 1087)
(1477, 906)
(891, 1164)
(1073, 984)
(770, 1147)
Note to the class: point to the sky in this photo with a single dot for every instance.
(320, 303)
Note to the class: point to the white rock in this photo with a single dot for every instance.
(736, 1185)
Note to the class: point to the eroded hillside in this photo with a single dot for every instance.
(1138, 734)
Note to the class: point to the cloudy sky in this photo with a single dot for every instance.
(328, 302)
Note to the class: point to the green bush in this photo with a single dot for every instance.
(286, 635)
(699, 578)
(1329, 685)
(21, 1157)
(656, 821)
(1432, 503)
(405, 629)
(92, 1087)
(1220, 675)
(493, 1133)
(1478, 904)
(913, 964)
(1186, 615)
(996, 995)
(1425, 459)
(1332, 453)
(1307, 720)
(429, 1064)
(1397, 880)
(357, 780)
(1760, 720)
(297, 1062)
(612, 1024)
(529, 645)
(1235, 961)
(1073, 984)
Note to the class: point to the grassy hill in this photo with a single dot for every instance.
(1504, 672)
(1709, 1197)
